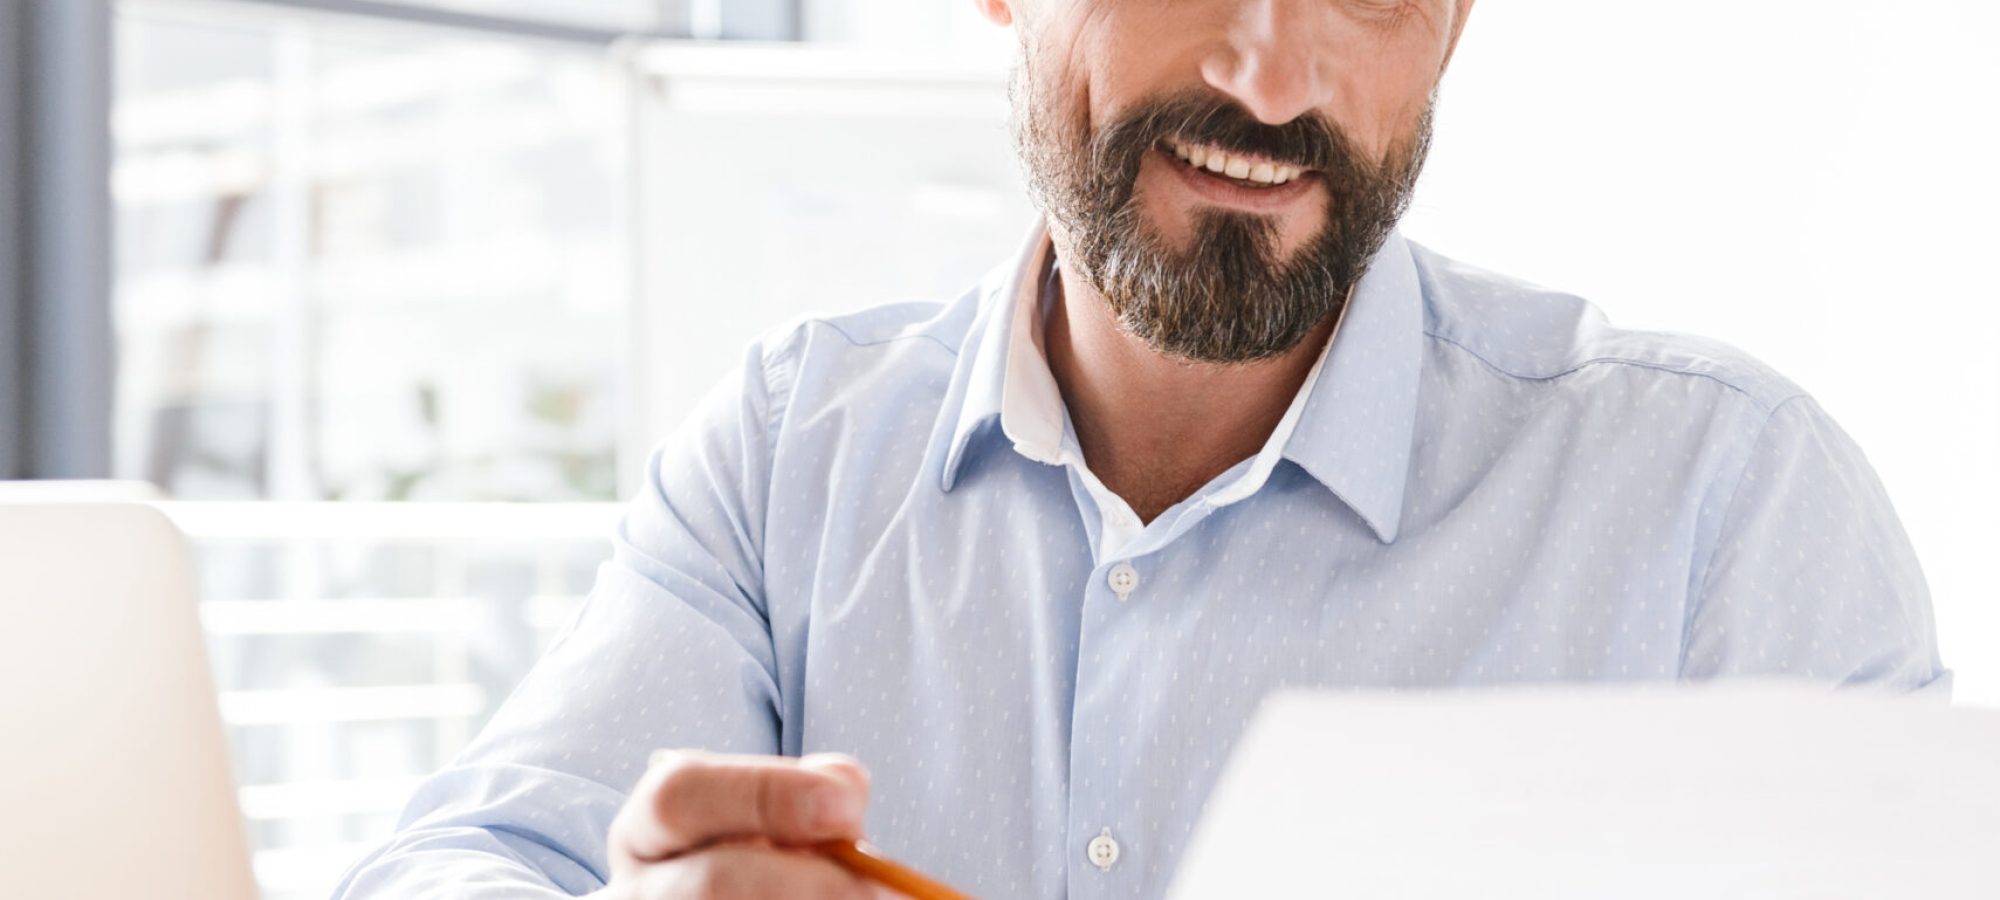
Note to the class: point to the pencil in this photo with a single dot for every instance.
(865, 860)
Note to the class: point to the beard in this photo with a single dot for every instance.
(1228, 295)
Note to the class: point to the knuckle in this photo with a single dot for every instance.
(846, 766)
(670, 767)
(780, 804)
(764, 799)
(678, 784)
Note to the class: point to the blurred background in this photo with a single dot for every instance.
(389, 299)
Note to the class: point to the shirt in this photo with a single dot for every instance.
(1033, 417)
(879, 537)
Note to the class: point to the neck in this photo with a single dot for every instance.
(1155, 429)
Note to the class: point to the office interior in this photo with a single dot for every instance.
(383, 304)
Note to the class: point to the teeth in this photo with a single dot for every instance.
(1239, 167)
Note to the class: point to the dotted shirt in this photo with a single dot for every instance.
(879, 537)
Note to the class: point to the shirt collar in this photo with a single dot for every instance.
(981, 376)
(1350, 427)
(1358, 426)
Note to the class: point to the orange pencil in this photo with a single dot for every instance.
(865, 860)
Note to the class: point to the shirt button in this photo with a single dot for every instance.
(1103, 851)
(1123, 580)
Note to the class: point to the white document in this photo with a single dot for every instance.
(1764, 791)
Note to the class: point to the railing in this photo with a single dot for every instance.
(359, 646)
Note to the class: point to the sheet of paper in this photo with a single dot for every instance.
(1764, 791)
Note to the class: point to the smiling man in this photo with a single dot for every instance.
(997, 582)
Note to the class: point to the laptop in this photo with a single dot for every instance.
(114, 776)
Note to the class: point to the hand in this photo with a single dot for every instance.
(703, 826)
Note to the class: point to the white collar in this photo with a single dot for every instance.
(1032, 414)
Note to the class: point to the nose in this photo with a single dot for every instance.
(1275, 60)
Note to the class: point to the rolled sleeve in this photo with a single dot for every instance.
(672, 648)
(1812, 573)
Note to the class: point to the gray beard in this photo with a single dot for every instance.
(1228, 297)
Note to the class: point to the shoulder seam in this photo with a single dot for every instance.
(1614, 360)
(856, 342)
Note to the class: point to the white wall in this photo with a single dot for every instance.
(1811, 180)
(906, 25)
(780, 181)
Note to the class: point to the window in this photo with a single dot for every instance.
(364, 265)
(377, 302)
(363, 262)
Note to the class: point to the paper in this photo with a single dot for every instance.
(1765, 791)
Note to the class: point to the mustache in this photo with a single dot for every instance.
(1311, 141)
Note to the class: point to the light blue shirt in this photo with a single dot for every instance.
(879, 538)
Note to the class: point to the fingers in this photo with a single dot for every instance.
(690, 799)
(744, 871)
(842, 766)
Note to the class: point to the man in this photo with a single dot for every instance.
(1033, 556)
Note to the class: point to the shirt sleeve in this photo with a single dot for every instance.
(672, 648)
(1812, 574)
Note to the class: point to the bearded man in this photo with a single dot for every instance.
(998, 581)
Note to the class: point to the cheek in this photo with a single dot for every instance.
(1382, 76)
(1048, 94)
(1114, 54)
(1382, 104)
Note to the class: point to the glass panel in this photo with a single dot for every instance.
(364, 261)
(364, 267)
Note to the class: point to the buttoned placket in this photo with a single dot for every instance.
(1121, 542)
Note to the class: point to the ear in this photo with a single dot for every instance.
(1461, 10)
(999, 12)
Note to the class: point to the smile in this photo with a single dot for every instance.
(1244, 169)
